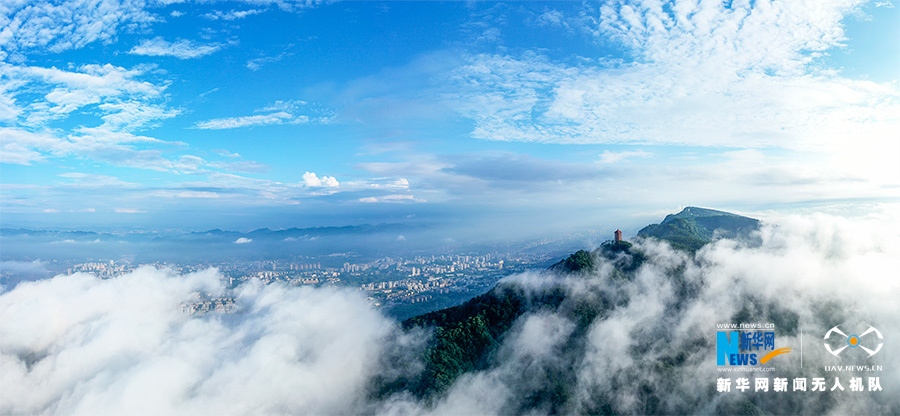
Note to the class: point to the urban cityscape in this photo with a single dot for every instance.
(387, 282)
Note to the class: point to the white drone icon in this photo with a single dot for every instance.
(853, 341)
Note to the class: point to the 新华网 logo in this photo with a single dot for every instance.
(746, 347)
(853, 341)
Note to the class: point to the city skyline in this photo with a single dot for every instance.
(487, 115)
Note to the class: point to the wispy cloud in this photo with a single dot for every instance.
(281, 112)
(181, 49)
(257, 63)
(118, 89)
(129, 211)
(186, 194)
(705, 74)
(615, 157)
(232, 14)
(393, 198)
(89, 180)
(123, 98)
(245, 121)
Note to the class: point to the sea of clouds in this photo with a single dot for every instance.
(83, 345)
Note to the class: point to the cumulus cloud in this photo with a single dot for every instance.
(181, 49)
(82, 345)
(311, 180)
(243, 240)
(92, 346)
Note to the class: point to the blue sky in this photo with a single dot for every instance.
(247, 114)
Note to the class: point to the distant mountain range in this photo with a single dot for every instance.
(261, 233)
(369, 241)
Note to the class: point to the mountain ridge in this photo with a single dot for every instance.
(467, 337)
(694, 227)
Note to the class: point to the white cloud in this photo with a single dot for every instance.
(117, 148)
(186, 194)
(247, 121)
(20, 146)
(89, 180)
(129, 211)
(238, 188)
(705, 74)
(615, 157)
(394, 198)
(231, 15)
(780, 37)
(311, 180)
(40, 24)
(395, 184)
(181, 49)
(226, 153)
(243, 240)
(531, 99)
(124, 101)
(281, 112)
(124, 346)
(257, 63)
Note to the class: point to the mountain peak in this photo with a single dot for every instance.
(697, 212)
(694, 227)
